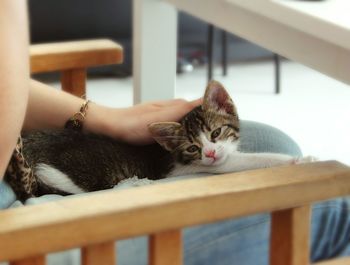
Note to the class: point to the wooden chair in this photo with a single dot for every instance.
(95, 221)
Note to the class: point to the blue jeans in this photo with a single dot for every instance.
(243, 241)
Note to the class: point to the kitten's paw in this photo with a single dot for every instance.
(133, 182)
(305, 159)
(144, 181)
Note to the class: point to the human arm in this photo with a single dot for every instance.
(14, 75)
(51, 108)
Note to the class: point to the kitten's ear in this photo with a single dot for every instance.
(217, 98)
(167, 134)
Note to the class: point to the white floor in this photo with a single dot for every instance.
(312, 108)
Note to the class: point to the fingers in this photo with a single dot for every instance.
(177, 111)
(170, 102)
(196, 102)
(162, 103)
(160, 111)
(159, 106)
(172, 113)
(175, 102)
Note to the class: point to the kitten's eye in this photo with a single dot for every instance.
(215, 133)
(192, 149)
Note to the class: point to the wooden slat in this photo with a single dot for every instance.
(339, 261)
(39, 260)
(99, 254)
(290, 232)
(166, 248)
(120, 214)
(74, 81)
(75, 54)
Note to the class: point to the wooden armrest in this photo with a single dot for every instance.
(110, 215)
(74, 55)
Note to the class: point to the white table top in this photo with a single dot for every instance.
(315, 33)
(326, 19)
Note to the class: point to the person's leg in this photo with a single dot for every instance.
(7, 196)
(241, 240)
(331, 229)
(330, 219)
(246, 240)
(259, 138)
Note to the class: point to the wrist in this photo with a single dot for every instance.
(100, 120)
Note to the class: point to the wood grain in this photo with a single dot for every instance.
(39, 260)
(99, 254)
(75, 54)
(105, 216)
(290, 233)
(74, 81)
(339, 261)
(166, 248)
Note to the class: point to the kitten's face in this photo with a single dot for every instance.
(206, 135)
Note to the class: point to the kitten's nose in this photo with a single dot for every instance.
(210, 153)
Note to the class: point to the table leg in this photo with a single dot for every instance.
(277, 63)
(154, 50)
(210, 51)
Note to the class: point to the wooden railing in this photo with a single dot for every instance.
(94, 221)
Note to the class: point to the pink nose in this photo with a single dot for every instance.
(210, 153)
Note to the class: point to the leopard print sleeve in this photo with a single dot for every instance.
(20, 175)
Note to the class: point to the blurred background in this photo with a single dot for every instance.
(312, 108)
(66, 20)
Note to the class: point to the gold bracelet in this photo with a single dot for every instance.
(76, 121)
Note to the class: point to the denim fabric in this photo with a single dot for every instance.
(7, 196)
(258, 138)
(245, 240)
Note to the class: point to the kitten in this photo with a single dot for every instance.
(205, 140)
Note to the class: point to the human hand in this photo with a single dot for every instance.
(131, 124)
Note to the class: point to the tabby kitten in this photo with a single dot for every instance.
(205, 140)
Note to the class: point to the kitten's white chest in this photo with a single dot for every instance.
(56, 179)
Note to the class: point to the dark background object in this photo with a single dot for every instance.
(53, 20)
